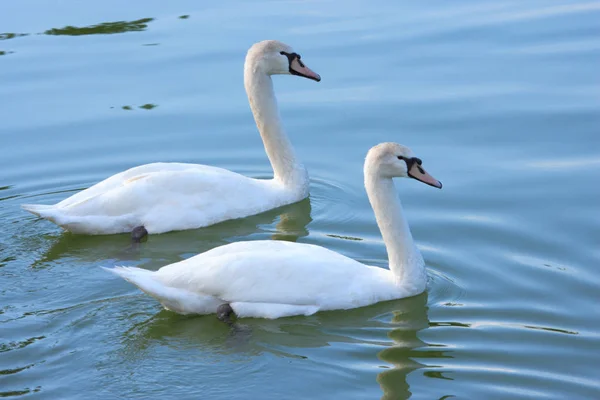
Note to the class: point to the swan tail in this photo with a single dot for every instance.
(82, 224)
(179, 300)
(141, 278)
(41, 210)
(52, 214)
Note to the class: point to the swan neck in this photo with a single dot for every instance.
(286, 167)
(406, 262)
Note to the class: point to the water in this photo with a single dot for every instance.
(501, 101)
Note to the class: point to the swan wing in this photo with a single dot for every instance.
(278, 272)
(117, 180)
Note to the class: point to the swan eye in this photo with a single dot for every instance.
(291, 57)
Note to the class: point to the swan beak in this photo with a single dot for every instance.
(417, 172)
(298, 68)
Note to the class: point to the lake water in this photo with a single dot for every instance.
(501, 100)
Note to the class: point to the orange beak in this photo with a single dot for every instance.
(297, 67)
(417, 172)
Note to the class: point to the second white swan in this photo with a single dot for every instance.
(272, 279)
(162, 197)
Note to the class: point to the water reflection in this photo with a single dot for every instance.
(106, 28)
(14, 393)
(373, 326)
(7, 187)
(147, 106)
(6, 36)
(411, 321)
(361, 325)
(292, 222)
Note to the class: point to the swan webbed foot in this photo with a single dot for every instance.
(224, 312)
(138, 233)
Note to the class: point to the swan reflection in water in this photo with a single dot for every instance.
(291, 223)
(389, 332)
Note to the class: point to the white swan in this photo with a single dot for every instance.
(272, 279)
(164, 197)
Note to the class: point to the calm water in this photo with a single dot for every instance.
(501, 100)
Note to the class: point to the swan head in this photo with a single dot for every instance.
(276, 58)
(393, 160)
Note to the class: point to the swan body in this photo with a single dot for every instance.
(163, 197)
(273, 279)
(267, 278)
